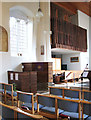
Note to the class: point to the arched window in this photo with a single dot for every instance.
(21, 30)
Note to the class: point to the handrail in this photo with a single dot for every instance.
(18, 110)
(68, 74)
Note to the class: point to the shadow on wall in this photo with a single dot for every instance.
(18, 68)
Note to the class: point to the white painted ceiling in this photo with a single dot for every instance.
(63, 51)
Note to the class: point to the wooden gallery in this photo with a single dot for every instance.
(45, 60)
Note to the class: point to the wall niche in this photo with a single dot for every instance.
(3, 40)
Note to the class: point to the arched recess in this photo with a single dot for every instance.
(25, 11)
(21, 14)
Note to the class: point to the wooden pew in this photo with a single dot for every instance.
(1, 88)
(16, 113)
(86, 95)
(71, 108)
(8, 92)
(2, 91)
(49, 102)
(7, 112)
(61, 105)
(86, 109)
(27, 99)
(65, 92)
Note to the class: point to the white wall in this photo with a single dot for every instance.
(14, 63)
(1, 41)
(71, 65)
(9, 62)
(90, 43)
(44, 37)
(0, 13)
(83, 21)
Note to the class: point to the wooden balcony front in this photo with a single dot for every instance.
(65, 34)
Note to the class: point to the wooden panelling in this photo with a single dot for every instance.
(65, 34)
(67, 6)
(74, 6)
(44, 70)
(44, 73)
(82, 6)
(35, 77)
(27, 81)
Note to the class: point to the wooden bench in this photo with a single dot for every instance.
(86, 95)
(71, 108)
(7, 92)
(15, 113)
(65, 92)
(86, 109)
(49, 102)
(2, 91)
(27, 101)
(1, 88)
(55, 106)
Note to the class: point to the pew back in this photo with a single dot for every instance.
(56, 91)
(86, 108)
(2, 91)
(1, 86)
(71, 93)
(9, 92)
(49, 102)
(7, 113)
(46, 101)
(65, 92)
(69, 105)
(26, 98)
(86, 95)
(12, 112)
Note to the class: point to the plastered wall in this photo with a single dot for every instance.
(39, 36)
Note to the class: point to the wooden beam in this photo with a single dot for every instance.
(67, 6)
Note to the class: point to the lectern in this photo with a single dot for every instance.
(87, 74)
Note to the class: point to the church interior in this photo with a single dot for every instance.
(45, 60)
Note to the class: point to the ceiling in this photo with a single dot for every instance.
(63, 51)
(85, 7)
